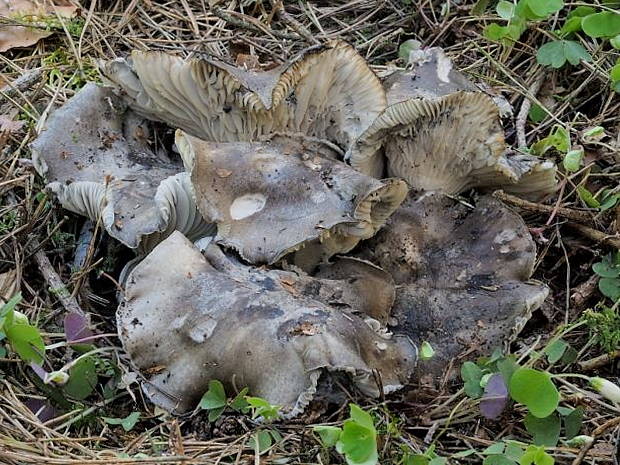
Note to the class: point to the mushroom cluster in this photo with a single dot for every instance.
(240, 229)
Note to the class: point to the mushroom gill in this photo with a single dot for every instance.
(440, 133)
(270, 199)
(328, 92)
(199, 318)
(462, 274)
(95, 155)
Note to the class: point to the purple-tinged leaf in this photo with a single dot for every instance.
(494, 398)
(39, 371)
(43, 411)
(76, 327)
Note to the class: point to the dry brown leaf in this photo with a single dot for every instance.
(30, 11)
(8, 285)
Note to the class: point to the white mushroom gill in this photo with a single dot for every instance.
(329, 92)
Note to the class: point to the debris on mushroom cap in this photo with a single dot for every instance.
(328, 92)
(373, 287)
(462, 274)
(187, 319)
(94, 153)
(270, 199)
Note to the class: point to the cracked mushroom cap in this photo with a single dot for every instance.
(328, 92)
(95, 155)
(462, 274)
(270, 199)
(187, 319)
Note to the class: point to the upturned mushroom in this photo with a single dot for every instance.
(328, 92)
(441, 133)
(198, 318)
(95, 155)
(273, 198)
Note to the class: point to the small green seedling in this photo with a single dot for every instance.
(356, 440)
(262, 408)
(609, 271)
(24, 338)
(604, 325)
(215, 400)
(426, 351)
(127, 423)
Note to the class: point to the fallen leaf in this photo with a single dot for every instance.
(76, 327)
(289, 286)
(29, 11)
(42, 409)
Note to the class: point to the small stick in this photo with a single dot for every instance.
(597, 432)
(55, 282)
(596, 235)
(599, 361)
(242, 23)
(292, 22)
(583, 291)
(525, 110)
(25, 81)
(577, 215)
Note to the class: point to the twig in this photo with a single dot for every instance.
(597, 432)
(596, 235)
(242, 23)
(55, 282)
(577, 215)
(525, 110)
(292, 22)
(584, 291)
(23, 82)
(599, 361)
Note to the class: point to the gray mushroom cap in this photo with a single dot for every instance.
(433, 75)
(270, 199)
(328, 92)
(195, 319)
(462, 274)
(95, 155)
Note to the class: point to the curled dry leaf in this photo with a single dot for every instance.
(204, 318)
(31, 12)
